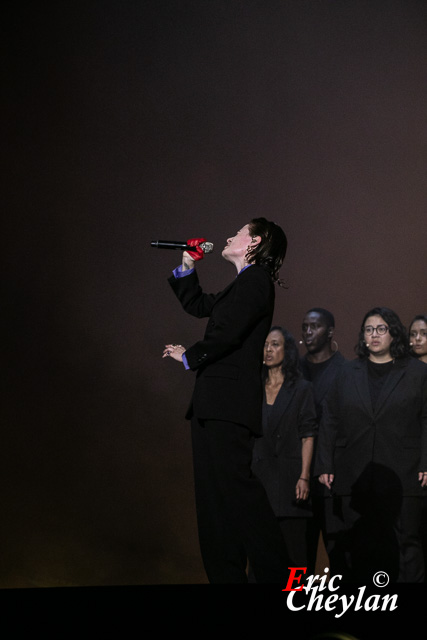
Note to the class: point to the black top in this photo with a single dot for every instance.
(316, 369)
(321, 375)
(377, 375)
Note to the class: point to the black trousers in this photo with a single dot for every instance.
(235, 519)
(297, 535)
(384, 537)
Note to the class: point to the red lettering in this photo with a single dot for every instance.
(293, 577)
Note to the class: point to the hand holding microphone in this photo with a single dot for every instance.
(194, 249)
(198, 253)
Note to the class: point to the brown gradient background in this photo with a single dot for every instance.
(132, 121)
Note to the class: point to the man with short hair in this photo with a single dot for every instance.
(321, 362)
(320, 365)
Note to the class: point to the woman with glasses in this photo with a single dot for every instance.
(372, 456)
(418, 337)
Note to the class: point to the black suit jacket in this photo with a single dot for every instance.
(354, 438)
(228, 360)
(277, 455)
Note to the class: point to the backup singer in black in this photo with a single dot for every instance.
(282, 457)
(235, 519)
(372, 454)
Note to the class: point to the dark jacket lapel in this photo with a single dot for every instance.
(362, 385)
(281, 404)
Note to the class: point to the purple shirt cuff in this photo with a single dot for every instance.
(179, 273)
(184, 359)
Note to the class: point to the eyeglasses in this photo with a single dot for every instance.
(381, 329)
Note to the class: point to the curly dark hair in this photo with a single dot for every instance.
(291, 362)
(271, 251)
(399, 347)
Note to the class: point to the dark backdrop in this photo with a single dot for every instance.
(132, 121)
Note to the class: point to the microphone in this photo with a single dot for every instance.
(206, 247)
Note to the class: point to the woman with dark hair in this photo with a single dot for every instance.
(282, 457)
(391, 337)
(418, 337)
(269, 253)
(235, 518)
(372, 456)
(418, 344)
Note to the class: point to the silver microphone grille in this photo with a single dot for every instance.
(207, 247)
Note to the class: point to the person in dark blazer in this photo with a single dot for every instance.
(235, 519)
(282, 457)
(372, 454)
(418, 344)
(319, 365)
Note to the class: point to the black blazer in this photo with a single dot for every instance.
(277, 455)
(229, 358)
(354, 438)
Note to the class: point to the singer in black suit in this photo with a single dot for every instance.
(235, 519)
(372, 454)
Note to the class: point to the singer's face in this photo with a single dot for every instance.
(315, 332)
(378, 345)
(418, 338)
(274, 349)
(237, 246)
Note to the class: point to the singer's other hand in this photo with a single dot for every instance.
(174, 351)
(197, 254)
